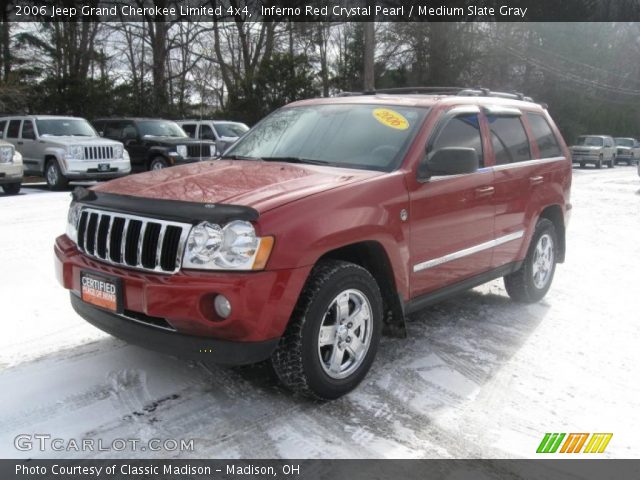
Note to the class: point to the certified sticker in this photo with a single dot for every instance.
(391, 118)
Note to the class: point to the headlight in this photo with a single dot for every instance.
(182, 150)
(75, 152)
(118, 151)
(6, 154)
(125, 155)
(213, 151)
(17, 158)
(73, 218)
(232, 247)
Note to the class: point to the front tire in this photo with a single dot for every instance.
(158, 163)
(332, 338)
(54, 177)
(599, 163)
(11, 188)
(612, 163)
(532, 281)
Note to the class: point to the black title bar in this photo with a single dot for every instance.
(323, 10)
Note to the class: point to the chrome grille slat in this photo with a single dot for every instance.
(143, 230)
(163, 229)
(99, 233)
(111, 219)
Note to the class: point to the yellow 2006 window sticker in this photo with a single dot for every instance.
(390, 118)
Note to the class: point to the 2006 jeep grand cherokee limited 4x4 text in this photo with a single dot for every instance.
(321, 228)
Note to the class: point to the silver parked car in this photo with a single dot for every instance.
(10, 168)
(224, 133)
(64, 148)
(595, 149)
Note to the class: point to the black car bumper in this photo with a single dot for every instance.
(173, 343)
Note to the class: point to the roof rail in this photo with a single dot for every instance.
(459, 91)
(406, 90)
(485, 92)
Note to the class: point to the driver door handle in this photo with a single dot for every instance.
(485, 191)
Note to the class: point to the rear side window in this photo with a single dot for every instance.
(509, 140)
(206, 133)
(14, 129)
(3, 124)
(190, 128)
(546, 140)
(461, 131)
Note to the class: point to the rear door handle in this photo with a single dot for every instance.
(485, 191)
(536, 180)
(19, 143)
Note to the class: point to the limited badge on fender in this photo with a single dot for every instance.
(391, 118)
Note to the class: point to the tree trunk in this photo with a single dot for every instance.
(369, 51)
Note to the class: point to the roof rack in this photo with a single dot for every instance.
(459, 91)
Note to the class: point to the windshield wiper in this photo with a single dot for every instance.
(296, 160)
(239, 157)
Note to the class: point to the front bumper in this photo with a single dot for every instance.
(174, 343)
(262, 302)
(577, 158)
(90, 169)
(10, 173)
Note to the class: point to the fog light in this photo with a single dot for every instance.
(222, 306)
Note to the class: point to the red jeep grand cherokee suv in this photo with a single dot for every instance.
(330, 221)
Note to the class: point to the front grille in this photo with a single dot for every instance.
(198, 150)
(98, 152)
(132, 241)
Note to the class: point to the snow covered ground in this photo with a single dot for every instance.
(479, 376)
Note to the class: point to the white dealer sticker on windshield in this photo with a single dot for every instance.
(391, 118)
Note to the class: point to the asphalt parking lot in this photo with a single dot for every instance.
(478, 377)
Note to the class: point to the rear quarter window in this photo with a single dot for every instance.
(509, 140)
(544, 137)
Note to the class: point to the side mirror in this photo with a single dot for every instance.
(449, 161)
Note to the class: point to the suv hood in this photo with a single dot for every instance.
(260, 185)
(585, 148)
(77, 140)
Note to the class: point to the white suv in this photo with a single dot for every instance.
(224, 133)
(63, 149)
(596, 149)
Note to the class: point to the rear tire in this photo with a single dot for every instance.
(582, 164)
(333, 335)
(612, 163)
(532, 281)
(54, 177)
(11, 188)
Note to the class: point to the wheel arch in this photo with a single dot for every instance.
(372, 256)
(554, 214)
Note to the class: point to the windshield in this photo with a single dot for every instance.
(65, 126)
(590, 141)
(625, 142)
(372, 137)
(231, 129)
(160, 128)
